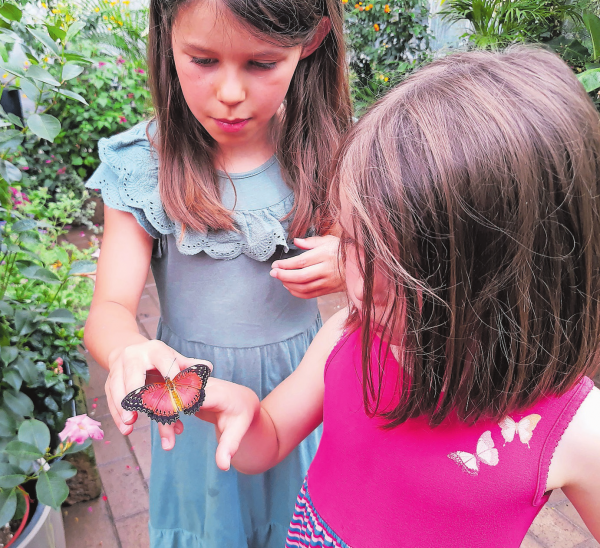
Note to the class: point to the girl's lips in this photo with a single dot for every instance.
(231, 126)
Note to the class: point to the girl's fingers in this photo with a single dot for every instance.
(229, 442)
(125, 429)
(304, 275)
(167, 435)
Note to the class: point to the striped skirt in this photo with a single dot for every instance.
(307, 528)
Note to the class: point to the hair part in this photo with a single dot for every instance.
(317, 111)
(474, 186)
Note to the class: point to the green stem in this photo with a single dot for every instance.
(58, 291)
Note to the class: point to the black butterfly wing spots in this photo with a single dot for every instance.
(203, 372)
(134, 402)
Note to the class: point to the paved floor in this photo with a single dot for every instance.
(119, 518)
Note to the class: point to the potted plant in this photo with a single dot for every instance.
(29, 459)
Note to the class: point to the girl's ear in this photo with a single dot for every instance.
(322, 30)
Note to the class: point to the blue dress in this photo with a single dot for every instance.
(218, 303)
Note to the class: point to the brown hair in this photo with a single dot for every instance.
(317, 112)
(474, 188)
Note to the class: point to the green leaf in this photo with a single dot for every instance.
(8, 36)
(51, 489)
(77, 57)
(6, 309)
(9, 134)
(18, 403)
(44, 126)
(3, 52)
(590, 79)
(72, 95)
(13, 70)
(45, 39)
(9, 476)
(9, 354)
(61, 315)
(10, 172)
(45, 275)
(592, 23)
(76, 447)
(55, 32)
(74, 30)
(24, 322)
(14, 119)
(51, 404)
(71, 70)
(27, 369)
(23, 225)
(42, 75)
(12, 378)
(63, 469)
(8, 424)
(79, 268)
(30, 89)
(23, 451)
(8, 505)
(11, 12)
(36, 433)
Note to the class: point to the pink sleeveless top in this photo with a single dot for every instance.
(416, 487)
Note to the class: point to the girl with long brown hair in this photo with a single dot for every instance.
(251, 98)
(455, 393)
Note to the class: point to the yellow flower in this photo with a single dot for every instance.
(96, 10)
(126, 2)
(56, 265)
(109, 27)
(112, 17)
(26, 64)
(24, 96)
(344, 1)
(386, 79)
(45, 59)
(44, 5)
(120, 23)
(376, 27)
(356, 6)
(105, 18)
(5, 75)
(369, 7)
(387, 8)
(55, 11)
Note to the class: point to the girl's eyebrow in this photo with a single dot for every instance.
(206, 51)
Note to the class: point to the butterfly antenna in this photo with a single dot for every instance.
(174, 360)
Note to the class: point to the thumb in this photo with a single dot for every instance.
(309, 243)
(229, 443)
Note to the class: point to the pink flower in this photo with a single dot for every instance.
(101, 64)
(130, 95)
(120, 60)
(24, 168)
(59, 361)
(122, 119)
(140, 71)
(48, 161)
(61, 171)
(80, 428)
(58, 370)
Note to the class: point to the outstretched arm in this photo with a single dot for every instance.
(255, 436)
(577, 462)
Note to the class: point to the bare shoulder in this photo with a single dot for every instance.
(577, 455)
(331, 332)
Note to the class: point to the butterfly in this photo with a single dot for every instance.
(524, 428)
(164, 399)
(485, 453)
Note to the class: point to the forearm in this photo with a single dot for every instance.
(110, 327)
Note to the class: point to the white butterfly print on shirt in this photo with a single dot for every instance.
(524, 428)
(486, 453)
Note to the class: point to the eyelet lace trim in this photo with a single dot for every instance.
(128, 180)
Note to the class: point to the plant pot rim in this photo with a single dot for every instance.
(36, 523)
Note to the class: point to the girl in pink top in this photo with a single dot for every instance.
(453, 393)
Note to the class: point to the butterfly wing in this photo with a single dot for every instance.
(154, 400)
(189, 385)
(466, 461)
(526, 426)
(509, 428)
(486, 452)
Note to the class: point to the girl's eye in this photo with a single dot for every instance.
(203, 62)
(263, 66)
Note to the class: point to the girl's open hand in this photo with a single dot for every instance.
(313, 273)
(127, 371)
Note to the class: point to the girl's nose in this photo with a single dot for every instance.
(231, 90)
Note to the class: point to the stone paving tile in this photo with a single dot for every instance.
(124, 487)
(114, 445)
(133, 531)
(555, 531)
(140, 441)
(150, 325)
(530, 542)
(98, 376)
(90, 529)
(101, 407)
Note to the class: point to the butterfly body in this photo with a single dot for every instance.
(485, 453)
(163, 401)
